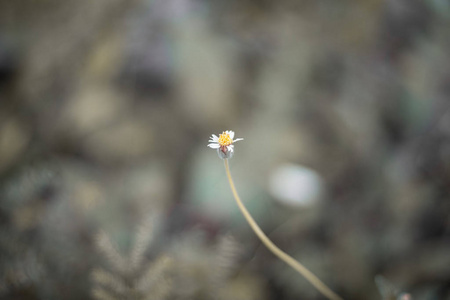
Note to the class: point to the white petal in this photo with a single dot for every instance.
(230, 148)
(214, 138)
(237, 140)
(231, 133)
(214, 146)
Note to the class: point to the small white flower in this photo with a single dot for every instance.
(223, 143)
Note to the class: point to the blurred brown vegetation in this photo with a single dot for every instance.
(106, 107)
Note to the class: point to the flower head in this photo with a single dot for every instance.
(223, 143)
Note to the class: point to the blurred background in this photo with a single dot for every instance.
(107, 188)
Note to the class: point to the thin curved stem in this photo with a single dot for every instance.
(316, 282)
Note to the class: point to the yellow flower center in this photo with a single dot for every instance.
(225, 139)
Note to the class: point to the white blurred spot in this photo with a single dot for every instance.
(295, 185)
